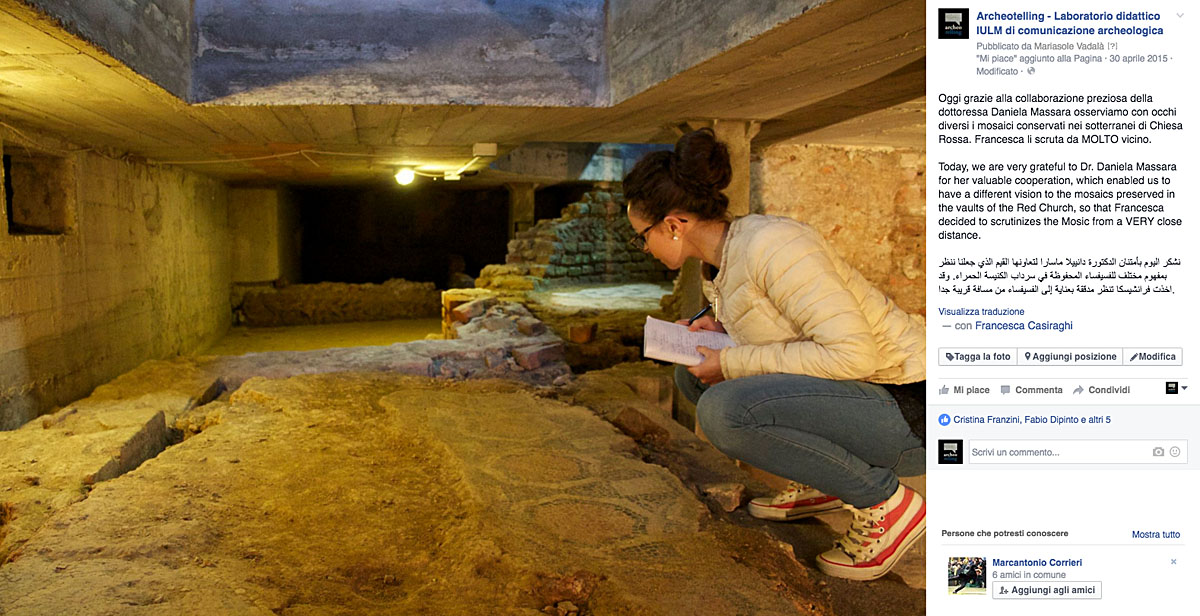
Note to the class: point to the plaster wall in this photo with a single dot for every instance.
(153, 37)
(868, 202)
(142, 272)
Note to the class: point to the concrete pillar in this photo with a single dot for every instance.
(520, 206)
(264, 226)
(736, 135)
(691, 299)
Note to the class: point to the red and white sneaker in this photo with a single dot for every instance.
(795, 502)
(877, 538)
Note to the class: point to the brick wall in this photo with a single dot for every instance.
(868, 202)
(589, 243)
(143, 271)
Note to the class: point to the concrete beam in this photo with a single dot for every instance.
(520, 207)
(565, 161)
(580, 53)
(650, 41)
(898, 87)
(153, 37)
(506, 52)
(558, 160)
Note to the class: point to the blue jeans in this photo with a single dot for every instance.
(844, 438)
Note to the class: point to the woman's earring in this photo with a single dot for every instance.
(675, 237)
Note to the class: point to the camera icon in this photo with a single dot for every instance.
(1158, 452)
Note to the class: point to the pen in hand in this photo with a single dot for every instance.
(699, 314)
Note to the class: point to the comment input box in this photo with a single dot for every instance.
(1077, 451)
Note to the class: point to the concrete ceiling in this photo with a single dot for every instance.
(848, 71)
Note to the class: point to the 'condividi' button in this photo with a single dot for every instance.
(1046, 590)
(1159, 356)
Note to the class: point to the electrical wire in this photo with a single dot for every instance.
(39, 146)
(306, 153)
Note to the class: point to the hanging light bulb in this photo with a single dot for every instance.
(405, 176)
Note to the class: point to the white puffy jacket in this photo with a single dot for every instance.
(794, 306)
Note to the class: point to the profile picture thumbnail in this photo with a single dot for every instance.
(954, 23)
(967, 575)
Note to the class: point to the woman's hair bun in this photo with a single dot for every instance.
(690, 179)
(701, 163)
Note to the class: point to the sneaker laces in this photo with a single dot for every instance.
(790, 493)
(866, 528)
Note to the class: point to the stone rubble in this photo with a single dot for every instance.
(336, 302)
(728, 496)
(502, 341)
(582, 333)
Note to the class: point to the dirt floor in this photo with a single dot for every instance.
(616, 311)
(241, 340)
(377, 493)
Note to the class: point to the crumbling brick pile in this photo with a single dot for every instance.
(336, 302)
(488, 319)
(589, 243)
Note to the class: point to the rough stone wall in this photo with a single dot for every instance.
(589, 243)
(143, 272)
(337, 302)
(868, 202)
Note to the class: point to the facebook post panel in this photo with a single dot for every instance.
(1062, 307)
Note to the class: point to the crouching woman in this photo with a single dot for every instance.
(826, 384)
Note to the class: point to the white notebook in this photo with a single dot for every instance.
(674, 343)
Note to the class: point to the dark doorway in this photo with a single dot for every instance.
(371, 234)
(549, 202)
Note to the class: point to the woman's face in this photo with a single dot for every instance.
(658, 240)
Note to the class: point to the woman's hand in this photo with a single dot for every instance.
(708, 371)
(705, 322)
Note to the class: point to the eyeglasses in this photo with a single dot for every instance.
(639, 241)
